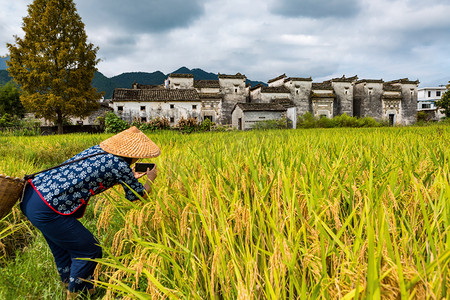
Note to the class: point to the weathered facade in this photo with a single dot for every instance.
(394, 101)
(246, 115)
(233, 90)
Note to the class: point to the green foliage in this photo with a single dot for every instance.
(10, 100)
(4, 77)
(271, 124)
(444, 103)
(206, 125)
(54, 64)
(114, 124)
(309, 121)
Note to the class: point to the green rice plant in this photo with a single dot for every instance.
(339, 213)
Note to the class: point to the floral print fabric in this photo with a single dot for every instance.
(67, 188)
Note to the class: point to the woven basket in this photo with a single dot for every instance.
(10, 191)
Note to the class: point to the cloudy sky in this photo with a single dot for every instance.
(388, 39)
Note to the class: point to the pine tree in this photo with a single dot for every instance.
(54, 64)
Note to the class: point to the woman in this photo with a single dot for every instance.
(55, 199)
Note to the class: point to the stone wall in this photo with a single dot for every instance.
(233, 91)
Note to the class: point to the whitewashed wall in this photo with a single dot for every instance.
(250, 118)
(132, 110)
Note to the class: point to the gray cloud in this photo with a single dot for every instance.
(317, 8)
(387, 39)
(136, 16)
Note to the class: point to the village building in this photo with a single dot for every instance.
(393, 101)
(220, 100)
(182, 97)
(146, 104)
(246, 115)
(427, 98)
(93, 117)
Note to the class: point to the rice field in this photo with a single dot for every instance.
(280, 214)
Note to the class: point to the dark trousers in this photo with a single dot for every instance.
(67, 238)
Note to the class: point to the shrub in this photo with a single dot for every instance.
(206, 125)
(154, 124)
(114, 124)
(306, 120)
(309, 121)
(187, 125)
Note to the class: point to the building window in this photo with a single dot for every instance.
(194, 106)
(438, 93)
(120, 108)
(429, 93)
(208, 118)
(427, 105)
(297, 91)
(172, 105)
(235, 90)
(172, 119)
(143, 119)
(143, 108)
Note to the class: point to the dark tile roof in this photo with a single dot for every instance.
(297, 79)
(326, 85)
(260, 107)
(391, 88)
(206, 84)
(344, 79)
(237, 76)
(275, 89)
(322, 95)
(370, 81)
(121, 94)
(210, 96)
(259, 85)
(404, 81)
(176, 75)
(277, 78)
(285, 102)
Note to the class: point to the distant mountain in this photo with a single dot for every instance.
(4, 77)
(125, 80)
(3, 62)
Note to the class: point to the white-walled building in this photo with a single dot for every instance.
(146, 104)
(427, 98)
(244, 116)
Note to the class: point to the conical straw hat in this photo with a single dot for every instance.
(131, 143)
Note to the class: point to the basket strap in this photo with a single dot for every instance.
(31, 176)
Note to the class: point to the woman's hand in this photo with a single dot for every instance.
(137, 175)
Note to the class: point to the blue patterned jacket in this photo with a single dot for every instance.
(67, 189)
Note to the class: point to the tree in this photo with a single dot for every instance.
(444, 102)
(10, 100)
(54, 64)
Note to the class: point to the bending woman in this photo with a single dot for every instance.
(55, 199)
